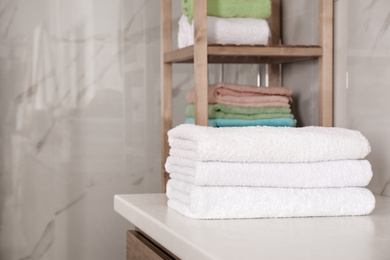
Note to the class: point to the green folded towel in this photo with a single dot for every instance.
(221, 122)
(231, 112)
(231, 8)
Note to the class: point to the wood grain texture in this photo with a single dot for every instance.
(166, 86)
(246, 54)
(139, 248)
(274, 23)
(179, 54)
(200, 62)
(255, 59)
(166, 251)
(325, 63)
(291, 51)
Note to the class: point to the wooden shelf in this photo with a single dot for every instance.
(274, 54)
(247, 54)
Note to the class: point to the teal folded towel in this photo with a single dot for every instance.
(222, 122)
(231, 8)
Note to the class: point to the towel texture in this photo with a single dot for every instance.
(343, 173)
(248, 31)
(250, 113)
(245, 96)
(222, 122)
(231, 8)
(210, 202)
(267, 144)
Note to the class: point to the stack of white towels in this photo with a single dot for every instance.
(228, 22)
(264, 172)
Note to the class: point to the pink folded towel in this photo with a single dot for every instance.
(245, 96)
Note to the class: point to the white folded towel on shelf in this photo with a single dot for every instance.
(210, 202)
(267, 144)
(248, 31)
(343, 173)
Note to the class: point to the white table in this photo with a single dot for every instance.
(360, 237)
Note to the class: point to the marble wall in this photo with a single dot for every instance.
(362, 79)
(300, 27)
(361, 73)
(80, 108)
(79, 117)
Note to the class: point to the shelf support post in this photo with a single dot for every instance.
(200, 62)
(166, 85)
(274, 23)
(325, 63)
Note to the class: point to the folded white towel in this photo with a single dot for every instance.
(250, 31)
(210, 202)
(343, 173)
(267, 144)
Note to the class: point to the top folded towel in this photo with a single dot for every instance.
(231, 8)
(237, 31)
(245, 96)
(267, 144)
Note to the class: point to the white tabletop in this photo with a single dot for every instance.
(361, 237)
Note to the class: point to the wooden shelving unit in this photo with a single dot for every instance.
(274, 54)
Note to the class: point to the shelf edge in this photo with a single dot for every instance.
(275, 54)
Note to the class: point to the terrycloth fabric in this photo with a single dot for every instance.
(248, 31)
(245, 96)
(267, 144)
(250, 113)
(210, 202)
(222, 122)
(231, 8)
(343, 173)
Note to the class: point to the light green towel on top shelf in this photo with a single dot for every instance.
(231, 8)
(232, 112)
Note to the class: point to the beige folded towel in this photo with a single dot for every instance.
(245, 96)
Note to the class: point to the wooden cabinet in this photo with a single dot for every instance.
(140, 246)
(274, 54)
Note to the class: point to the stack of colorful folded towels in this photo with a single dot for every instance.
(263, 172)
(228, 22)
(239, 105)
(239, 23)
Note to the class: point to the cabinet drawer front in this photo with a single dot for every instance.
(138, 247)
